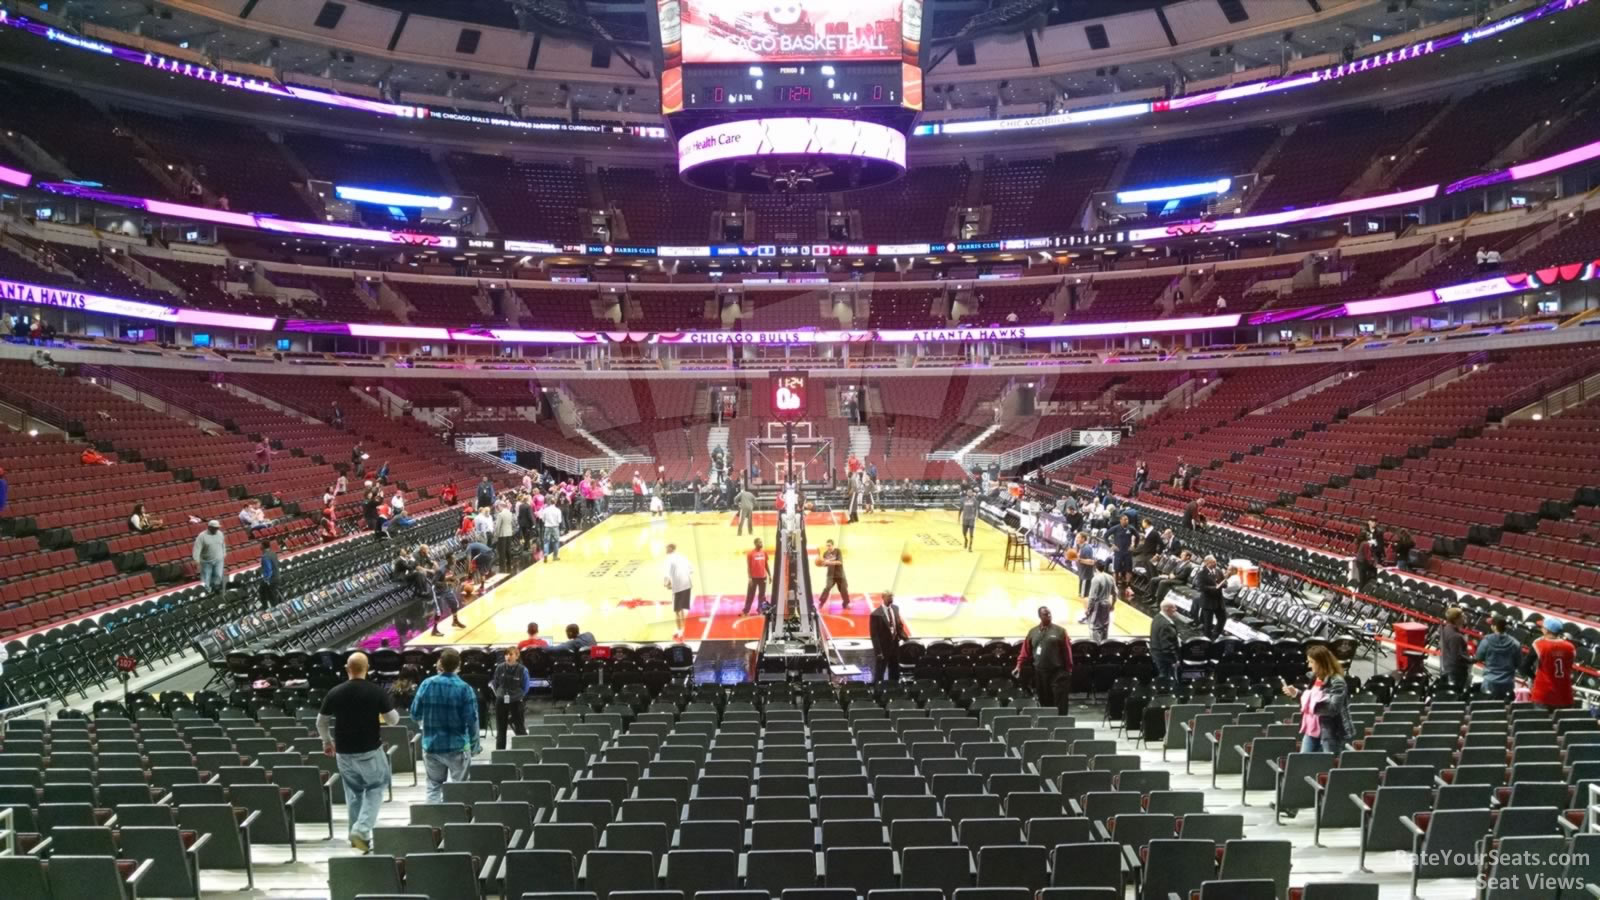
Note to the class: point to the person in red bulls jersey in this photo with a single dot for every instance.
(1550, 663)
(756, 563)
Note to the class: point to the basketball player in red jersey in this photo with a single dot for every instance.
(1550, 663)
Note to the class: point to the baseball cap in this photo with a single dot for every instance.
(213, 524)
(1553, 624)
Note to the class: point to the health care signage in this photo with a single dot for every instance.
(791, 137)
(66, 298)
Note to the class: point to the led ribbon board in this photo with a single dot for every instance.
(1175, 192)
(391, 198)
(66, 298)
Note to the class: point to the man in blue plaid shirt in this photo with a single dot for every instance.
(447, 709)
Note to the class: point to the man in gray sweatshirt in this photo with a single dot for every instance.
(210, 556)
(745, 503)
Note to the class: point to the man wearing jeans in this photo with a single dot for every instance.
(354, 709)
(210, 556)
(550, 517)
(447, 710)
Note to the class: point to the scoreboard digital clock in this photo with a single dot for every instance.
(797, 85)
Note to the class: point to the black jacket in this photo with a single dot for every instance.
(1210, 584)
(885, 638)
(1163, 637)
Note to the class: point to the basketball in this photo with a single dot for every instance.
(1072, 556)
(905, 558)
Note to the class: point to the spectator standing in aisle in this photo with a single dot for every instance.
(348, 724)
(745, 502)
(483, 525)
(887, 629)
(211, 555)
(505, 531)
(1549, 663)
(1213, 614)
(371, 499)
(1141, 475)
(1500, 654)
(756, 567)
(1102, 597)
(1051, 652)
(397, 510)
(510, 683)
(677, 576)
(550, 518)
(446, 709)
(264, 455)
(1454, 664)
(1122, 537)
(1164, 642)
(1379, 541)
(1404, 543)
(525, 520)
(1325, 722)
(833, 559)
(269, 576)
(1194, 514)
(1365, 563)
(485, 493)
(969, 518)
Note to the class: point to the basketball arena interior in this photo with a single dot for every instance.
(910, 449)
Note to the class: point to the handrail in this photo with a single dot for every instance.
(165, 394)
(1549, 384)
(563, 461)
(42, 410)
(1068, 437)
(22, 709)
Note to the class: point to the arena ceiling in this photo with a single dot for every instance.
(624, 25)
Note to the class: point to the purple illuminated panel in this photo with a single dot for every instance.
(525, 336)
(1049, 332)
(1477, 290)
(1559, 161)
(14, 176)
(1390, 304)
(200, 213)
(349, 233)
(312, 326)
(225, 320)
(41, 295)
(400, 332)
(1290, 216)
(796, 336)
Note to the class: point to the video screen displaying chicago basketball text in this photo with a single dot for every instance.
(747, 31)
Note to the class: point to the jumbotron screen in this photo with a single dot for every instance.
(753, 31)
(731, 54)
